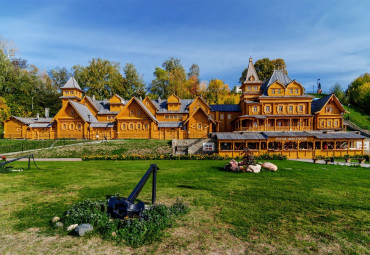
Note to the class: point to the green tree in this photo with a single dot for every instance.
(336, 89)
(265, 67)
(101, 78)
(59, 76)
(134, 82)
(171, 78)
(359, 93)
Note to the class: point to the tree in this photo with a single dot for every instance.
(8, 48)
(217, 91)
(4, 110)
(59, 76)
(359, 91)
(171, 78)
(134, 83)
(265, 67)
(193, 80)
(101, 78)
(336, 89)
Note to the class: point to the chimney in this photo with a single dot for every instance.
(93, 97)
(37, 115)
(141, 99)
(47, 110)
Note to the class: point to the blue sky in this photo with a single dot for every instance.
(328, 39)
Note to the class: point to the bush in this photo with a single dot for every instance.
(134, 231)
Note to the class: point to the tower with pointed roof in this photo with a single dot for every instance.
(71, 91)
(251, 85)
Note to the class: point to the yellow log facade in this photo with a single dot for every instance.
(276, 105)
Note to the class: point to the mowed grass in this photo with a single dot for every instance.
(301, 208)
(112, 147)
(14, 145)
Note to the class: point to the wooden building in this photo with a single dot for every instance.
(269, 112)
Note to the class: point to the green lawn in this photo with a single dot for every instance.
(11, 145)
(113, 147)
(360, 118)
(301, 208)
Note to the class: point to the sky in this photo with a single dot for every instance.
(328, 39)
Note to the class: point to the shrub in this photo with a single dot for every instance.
(134, 231)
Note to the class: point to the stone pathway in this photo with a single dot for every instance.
(335, 163)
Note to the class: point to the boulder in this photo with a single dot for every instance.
(232, 166)
(59, 224)
(254, 168)
(55, 219)
(270, 166)
(82, 229)
(72, 227)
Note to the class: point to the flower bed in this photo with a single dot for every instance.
(178, 157)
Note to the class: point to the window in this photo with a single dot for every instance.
(249, 87)
(300, 108)
(267, 108)
(131, 126)
(211, 116)
(228, 116)
(71, 126)
(290, 108)
(180, 117)
(280, 108)
(166, 116)
(255, 88)
(79, 126)
(146, 126)
(291, 91)
(336, 123)
(296, 91)
(199, 126)
(138, 126)
(72, 92)
(255, 124)
(222, 116)
(72, 113)
(171, 116)
(255, 108)
(322, 123)
(131, 112)
(279, 91)
(329, 123)
(64, 127)
(279, 124)
(138, 112)
(226, 146)
(273, 91)
(123, 126)
(67, 92)
(329, 109)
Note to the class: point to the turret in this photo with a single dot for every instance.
(71, 91)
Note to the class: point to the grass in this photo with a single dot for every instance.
(301, 208)
(11, 145)
(316, 95)
(112, 147)
(359, 117)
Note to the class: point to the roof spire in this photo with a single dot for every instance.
(251, 73)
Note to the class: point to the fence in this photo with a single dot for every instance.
(25, 145)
